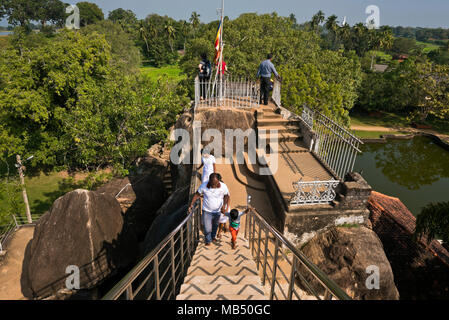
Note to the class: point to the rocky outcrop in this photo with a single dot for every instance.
(421, 269)
(169, 216)
(84, 229)
(346, 256)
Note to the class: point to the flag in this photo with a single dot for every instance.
(217, 45)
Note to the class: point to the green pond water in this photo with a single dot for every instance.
(416, 171)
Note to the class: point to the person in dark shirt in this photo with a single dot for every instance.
(266, 68)
(205, 71)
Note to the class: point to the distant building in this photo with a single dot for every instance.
(380, 67)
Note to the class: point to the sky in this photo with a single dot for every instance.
(414, 13)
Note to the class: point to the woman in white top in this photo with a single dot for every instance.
(208, 161)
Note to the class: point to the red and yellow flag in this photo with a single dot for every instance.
(217, 45)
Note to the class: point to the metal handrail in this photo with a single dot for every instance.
(125, 284)
(331, 288)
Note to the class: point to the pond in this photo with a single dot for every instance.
(416, 170)
(5, 33)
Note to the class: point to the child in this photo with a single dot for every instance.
(208, 161)
(222, 225)
(234, 223)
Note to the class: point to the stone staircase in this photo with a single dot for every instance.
(168, 182)
(217, 272)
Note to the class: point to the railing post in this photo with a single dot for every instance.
(258, 247)
(129, 293)
(182, 251)
(252, 234)
(173, 275)
(156, 277)
(265, 257)
(291, 284)
(275, 261)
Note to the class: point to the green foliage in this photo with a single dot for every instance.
(89, 13)
(73, 102)
(433, 222)
(125, 55)
(403, 45)
(10, 196)
(21, 12)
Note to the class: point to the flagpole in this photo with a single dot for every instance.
(220, 63)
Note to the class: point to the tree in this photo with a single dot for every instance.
(50, 11)
(19, 12)
(433, 222)
(170, 31)
(89, 13)
(185, 32)
(332, 26)
(195, 21)
(317, 19)
(126, 18)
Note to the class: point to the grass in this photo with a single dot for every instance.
(428, 46)
(387, 119)
(374, 134)
(44, 189)
(171, 72)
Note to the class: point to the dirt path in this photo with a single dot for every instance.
(374, 128)
(11, 266)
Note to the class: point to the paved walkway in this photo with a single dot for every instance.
(11, 266)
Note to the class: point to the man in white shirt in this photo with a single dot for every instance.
(216, 200)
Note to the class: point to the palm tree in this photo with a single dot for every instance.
(317, 19)
(170, 30)
(434, 222)
(332, 26)
(345, 35)
(195, 21)
(143, 34)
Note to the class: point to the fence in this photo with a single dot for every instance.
(302, 279)
(229, 92)
(277, 92)
(314, 192)
(15, 223)
(334, 145)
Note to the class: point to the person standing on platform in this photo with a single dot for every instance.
(266, 68)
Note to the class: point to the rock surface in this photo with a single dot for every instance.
(344, 254)
(84, 229)
(421, 269)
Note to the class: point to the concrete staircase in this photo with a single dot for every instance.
(218, 272)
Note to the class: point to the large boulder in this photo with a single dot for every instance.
(346, 255)
(83, 229)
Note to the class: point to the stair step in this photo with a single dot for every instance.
(220, 297)
(282, 128)
(239, 280)
(282, 137)
(245, 270)
(274, 122)
(229, 258)
(291, 147)
(224, 289)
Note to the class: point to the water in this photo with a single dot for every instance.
(5, 33)
(416, 171)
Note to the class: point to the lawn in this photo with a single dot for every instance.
(171, 72)
(374, 134)
(44, 189)
(386, 119)
(428, 46)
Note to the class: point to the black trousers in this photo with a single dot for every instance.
(204, 83)
(264, 90)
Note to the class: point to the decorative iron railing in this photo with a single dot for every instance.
(228, 92)
(288, 274)
(333, 144)
(314, 192)
(277, 92)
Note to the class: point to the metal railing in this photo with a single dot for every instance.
(314, 192)
(285, 269)
(229, 92)
(333, 145)
(15, 223)
(161, 273)
(277, 92)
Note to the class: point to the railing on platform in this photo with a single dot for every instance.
(10, 227)
(161, 273)
(314, 192)
(277, 92)
(229, 92)
(281, 261)
(334, 145)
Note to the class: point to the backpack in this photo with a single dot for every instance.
(206, 69)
